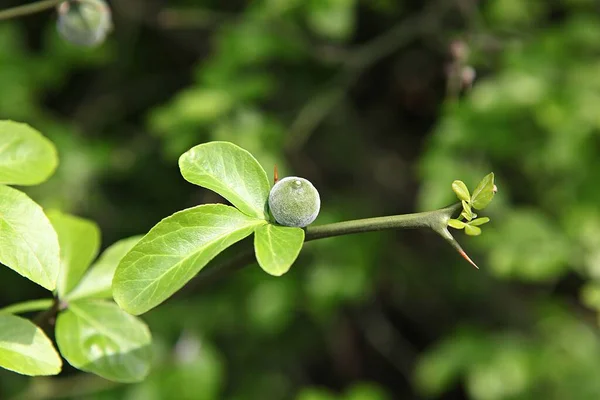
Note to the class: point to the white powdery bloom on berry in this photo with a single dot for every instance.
(84, 22)
(294, 201)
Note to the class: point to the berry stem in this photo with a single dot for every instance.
(28, 9)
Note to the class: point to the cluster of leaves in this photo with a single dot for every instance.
(179, 246)
(55, 251)
(482, 196)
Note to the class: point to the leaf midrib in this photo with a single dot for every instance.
(185, 258)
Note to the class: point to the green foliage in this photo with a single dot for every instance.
(230, 171)
(79, 241)
(26, 157)
(28, 244)
(277, 247)
(97, 282)
(24, 348)
(174, 251)
(97, 336)
(482, 196)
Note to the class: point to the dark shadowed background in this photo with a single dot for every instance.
(376, 103)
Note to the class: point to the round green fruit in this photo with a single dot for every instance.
(84, 22)
(294, 201)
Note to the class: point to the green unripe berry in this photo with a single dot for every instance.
(294, 201)
(84, 22)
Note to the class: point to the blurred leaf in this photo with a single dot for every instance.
(503, 373)
(26, 157)
(174, 251)
(79, 241)
(25, 348)
(472, 230)
(277, 247)
(526, 245)
(461, 190)
(97, 283)
(28, 243)
(230, 171)
(366, 391)
(590, 295)
(479, 221)
(97, 336)
(456, 224)
(441, 366)
(483, 193)
(333, 19)
(316, 394)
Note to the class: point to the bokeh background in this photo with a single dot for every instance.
(381, 104)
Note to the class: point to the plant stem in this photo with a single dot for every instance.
(436, 220)
(28, 306)
(28, 9)
(429, 219)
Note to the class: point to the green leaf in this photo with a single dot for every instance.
(472, 230)
(79, 241)
(25, 348)
(467, 212)
(479, 221)
(483, 193)
(26, 157)
(456, 224)
(28, 243)
(174, 251)
(461, 190)
(97, 283)
(230, 171)
(97, 336)
(277, 247)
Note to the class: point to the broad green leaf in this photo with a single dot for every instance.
(456, 224)
(230, 171)
(25, 348)
(174, 251)
(97, 282)
(483, 193)
(479, 221)
(28, 243)
(79, 241)
(472, 230)
(26, 157)
(277, 247)
(97, 336)
(461, 190)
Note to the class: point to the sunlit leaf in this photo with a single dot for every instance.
(174, 251)
(28, 243)
(97, 336)
(230, 171)
(479, 221)
(483, 193)
(26, 157)
(461, 190)
(25, 348)
(97, 283)
(472, 230)
(79, 241)
(277, 247)
(456, 224)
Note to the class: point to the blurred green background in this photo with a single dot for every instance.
(372, 101)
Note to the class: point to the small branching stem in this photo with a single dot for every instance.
(28, 9)
(28, 306)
